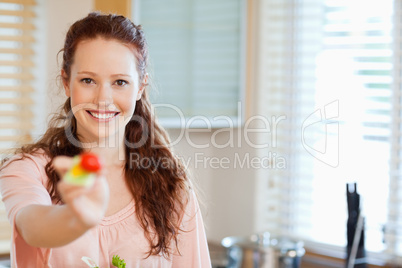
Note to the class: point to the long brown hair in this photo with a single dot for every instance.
(160, 193)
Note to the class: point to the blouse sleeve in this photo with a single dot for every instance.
(192, 241)
(22, 183)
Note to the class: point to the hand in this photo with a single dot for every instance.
(88, 204)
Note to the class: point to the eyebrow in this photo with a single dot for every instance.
(94, 74)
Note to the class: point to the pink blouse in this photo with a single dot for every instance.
(23, 182)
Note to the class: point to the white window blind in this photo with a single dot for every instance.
(196, 55)
(17, 25)
(16, 65)
(328, 67)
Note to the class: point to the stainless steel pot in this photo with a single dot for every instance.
(262, 251)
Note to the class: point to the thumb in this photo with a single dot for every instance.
(62, 164)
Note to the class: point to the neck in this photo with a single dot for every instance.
(110, 155)
(112, 150)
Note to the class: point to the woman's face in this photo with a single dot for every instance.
(104, 87)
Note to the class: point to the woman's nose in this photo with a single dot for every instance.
(104, 96)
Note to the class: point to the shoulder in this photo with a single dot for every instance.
(38, 157)
(33, 163)
(192, 207)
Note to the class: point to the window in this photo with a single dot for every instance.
(17, 51)
(328, 67)
(16, 71)
(196, 50)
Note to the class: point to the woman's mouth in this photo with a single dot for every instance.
(103, 115)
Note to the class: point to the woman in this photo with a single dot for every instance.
(144, 211)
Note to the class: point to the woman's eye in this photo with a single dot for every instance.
(121, 83)
(87, 80)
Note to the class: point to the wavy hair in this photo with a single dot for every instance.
(160, 194)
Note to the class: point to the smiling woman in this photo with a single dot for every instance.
(148, 216)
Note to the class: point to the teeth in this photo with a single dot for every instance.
(103, 116)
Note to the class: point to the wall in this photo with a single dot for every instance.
(228, 189)
(60, 15)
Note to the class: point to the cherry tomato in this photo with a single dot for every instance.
(90, 162)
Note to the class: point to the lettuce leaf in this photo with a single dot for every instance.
(119, 263)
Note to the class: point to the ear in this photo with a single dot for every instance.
(66, 84)
(143, 85)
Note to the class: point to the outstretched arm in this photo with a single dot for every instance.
(42, 225)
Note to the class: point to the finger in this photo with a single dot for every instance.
(62, 164)
(101, 186)
(69, 192)
(67, 187)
